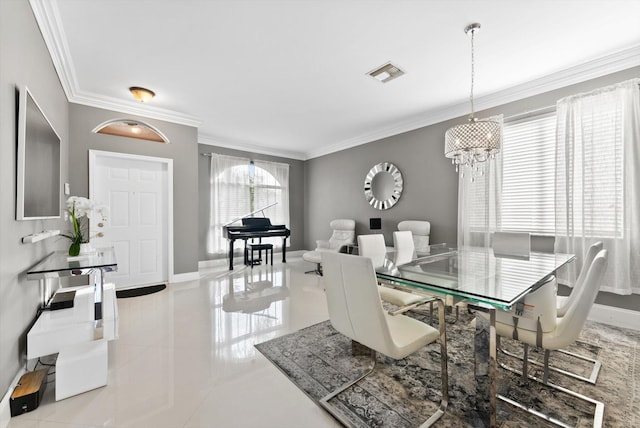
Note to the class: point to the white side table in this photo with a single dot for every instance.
(79, 335)
(82, 360)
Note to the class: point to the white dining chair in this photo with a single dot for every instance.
(511, 244)
(564, 302)
(403, 246)
(373, 247)
(355, 310)
(556, 334)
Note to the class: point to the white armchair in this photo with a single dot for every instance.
(420, 231)
(344, 233)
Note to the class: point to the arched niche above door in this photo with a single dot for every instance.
(132, 128)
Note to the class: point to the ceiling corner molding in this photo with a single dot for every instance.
(598, 67)
(426, 119)
(140, 109)
(251, 148)
(48, 18)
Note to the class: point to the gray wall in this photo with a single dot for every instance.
(296, 196)
(334, 183)
(24, 59)
(183, 149)
(334, 186)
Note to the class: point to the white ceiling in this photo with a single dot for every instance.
(289, 77)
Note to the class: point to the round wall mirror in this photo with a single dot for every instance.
(383, 186)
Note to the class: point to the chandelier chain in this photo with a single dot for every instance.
(473, 66)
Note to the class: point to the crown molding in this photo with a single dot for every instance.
(47, 16)
(602, 66)
(132, 107)
(249, 147)
(48, 19)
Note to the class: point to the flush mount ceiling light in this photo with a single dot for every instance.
(386, 72)
(131, 128)
(142, 94)
(477, 140)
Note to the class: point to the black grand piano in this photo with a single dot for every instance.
(255, 227)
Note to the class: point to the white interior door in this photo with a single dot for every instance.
(136, 191)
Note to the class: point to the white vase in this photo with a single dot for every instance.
(86, 248)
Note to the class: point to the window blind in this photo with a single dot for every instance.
(528, 175)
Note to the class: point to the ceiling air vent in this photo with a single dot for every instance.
(386, 72)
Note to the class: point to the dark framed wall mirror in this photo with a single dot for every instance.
(383, 186)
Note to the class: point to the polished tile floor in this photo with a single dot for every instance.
(185, 356)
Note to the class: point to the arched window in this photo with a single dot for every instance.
(239, 187)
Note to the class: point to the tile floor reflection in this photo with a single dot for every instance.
(185, 356)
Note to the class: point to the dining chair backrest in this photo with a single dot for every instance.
(420, 230)
(517, 244)
(353, 300)
(373, 247)
(403, 246)
(593, 250)
(571, 324)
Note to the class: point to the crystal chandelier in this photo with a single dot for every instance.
(474, 142)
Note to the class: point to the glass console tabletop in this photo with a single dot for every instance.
(96, 265)
(58, 264)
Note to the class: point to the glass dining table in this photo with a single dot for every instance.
(486, 282)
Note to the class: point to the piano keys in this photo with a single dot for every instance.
(255, 227)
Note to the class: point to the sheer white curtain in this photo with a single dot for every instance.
(271, 185)
(479, 200)
(598, 180)
(229, 199)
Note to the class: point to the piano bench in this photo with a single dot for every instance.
(259, 247)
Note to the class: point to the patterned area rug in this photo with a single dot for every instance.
(403, 393)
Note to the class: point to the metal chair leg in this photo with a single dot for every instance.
(317, 270)
(598, 414)
(444, 370)
(599, 406)
(592, 378)
(324, 401)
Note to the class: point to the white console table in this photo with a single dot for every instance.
(79, 335)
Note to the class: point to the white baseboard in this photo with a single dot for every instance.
(618, 317)
(225, 262)
(297, 253)
(212, 263)
(183, 277)
(5, 410)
